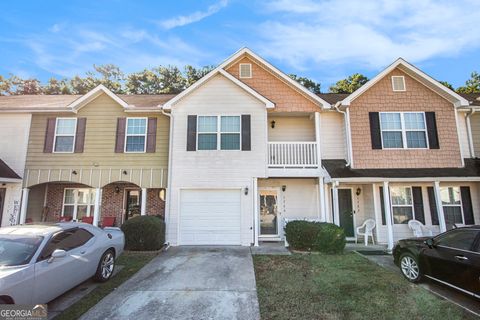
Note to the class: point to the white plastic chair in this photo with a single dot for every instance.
(419, 230)
(368, 225)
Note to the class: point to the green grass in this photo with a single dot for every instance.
(345, 286)
(132, 262)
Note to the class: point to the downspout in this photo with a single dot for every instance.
(169, 182)
(347, 132)
(469, 133)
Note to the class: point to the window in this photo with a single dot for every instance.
(65, 129)
(245, 70)
(218, 133)
(403, 130)
(458, 239)
(452, 205)
(398, 83)
(402, 204)
(66, 240)
(136, 136)
(78, 203)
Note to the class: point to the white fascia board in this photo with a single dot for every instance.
(460, 101)
(405, 180)
(92, 94)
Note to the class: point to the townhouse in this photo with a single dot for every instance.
(232, 158)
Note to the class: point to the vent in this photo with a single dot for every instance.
(245, 70)
(398, 83)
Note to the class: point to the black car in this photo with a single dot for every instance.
(451, 258)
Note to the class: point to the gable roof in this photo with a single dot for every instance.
(94, 93)
(7, 172)
(247, 52)
(418, 75)
(168, 105)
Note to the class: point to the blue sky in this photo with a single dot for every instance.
(323, 40)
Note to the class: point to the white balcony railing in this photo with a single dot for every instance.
(292, 155)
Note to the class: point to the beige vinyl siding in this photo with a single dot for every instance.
(291, 129)
(463, 134)
(332, 136)
(475, 123)
(99, 147)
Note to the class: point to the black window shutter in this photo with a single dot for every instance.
(192, 133)
(467, 205)
(375, 133)
(246, 133)
(382, 207)
(432, 130)
(433, 205)
(418, 204)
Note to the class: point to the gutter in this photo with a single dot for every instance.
(169, 166)
(469, 132)
(347, 129)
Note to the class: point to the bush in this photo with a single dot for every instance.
(144, 233)
(315, 236)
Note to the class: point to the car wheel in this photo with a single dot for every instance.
(410, 268)
(105, 266)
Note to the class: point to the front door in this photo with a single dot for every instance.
(345, 211)
(268, 212)
(2, 202)
(132, 203)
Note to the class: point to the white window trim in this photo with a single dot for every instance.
(65, 135)
(454, 205)
(402, 205)
(75, 202)
(240, 70)
(219, 132)
(136, 135)
(404, 131)
(404, 84)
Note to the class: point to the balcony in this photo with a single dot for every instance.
(292, 159)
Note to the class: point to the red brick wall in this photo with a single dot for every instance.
(54, 201)
(417, 97)
(285, 97)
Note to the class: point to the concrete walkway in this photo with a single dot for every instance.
(186, 283)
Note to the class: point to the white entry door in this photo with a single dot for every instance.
(210, 217)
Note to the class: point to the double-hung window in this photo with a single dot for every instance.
(402, 204)
(136, 135)
(452, 205)
(78, 203)
(65, 134)
(218, 133)
(405, 130)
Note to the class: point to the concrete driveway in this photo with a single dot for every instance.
(187, 283)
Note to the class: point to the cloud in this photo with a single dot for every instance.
(180, 21)
(370, 34)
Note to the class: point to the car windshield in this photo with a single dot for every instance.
(16, 250)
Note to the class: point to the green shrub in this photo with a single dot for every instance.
(144, 233)
(315, 236)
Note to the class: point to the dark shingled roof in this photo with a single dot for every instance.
(473, 98)
(338, 169)
(7, 172)
(333, 98)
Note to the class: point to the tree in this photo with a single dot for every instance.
(5, 86)
(307, 83)
(193, 74)
(109, 75)
(472, 85)
(171, 79)
(143, 82)
(350, 84)
(447, 84)
(55, 86)
(24, 86)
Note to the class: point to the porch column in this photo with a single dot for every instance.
(23, 208)
(317, 138)
(336, 216)
(96, 208)
(328, 205)
(322, 212)
(438, 200)
(388, 214)
(143, 205)
(256, 227)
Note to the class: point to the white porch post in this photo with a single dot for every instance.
(23, 208)
(143, 205)
(438, 200)
(376, 210)
(321, 199)
(317, 138)
(336, 216)
(96, 208)
(388, 214)
(256, 227)
(328, 205)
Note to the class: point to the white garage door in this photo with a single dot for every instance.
(210, 217)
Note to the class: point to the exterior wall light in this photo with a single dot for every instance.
(284, 187)
(246, 190)
(74, 172)
(358, 192)
(272, 124)
(117, 189)
(125, 172)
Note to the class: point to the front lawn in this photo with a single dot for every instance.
(132, 262)
(345, 286)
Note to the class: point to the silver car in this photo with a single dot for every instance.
(40, 262)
